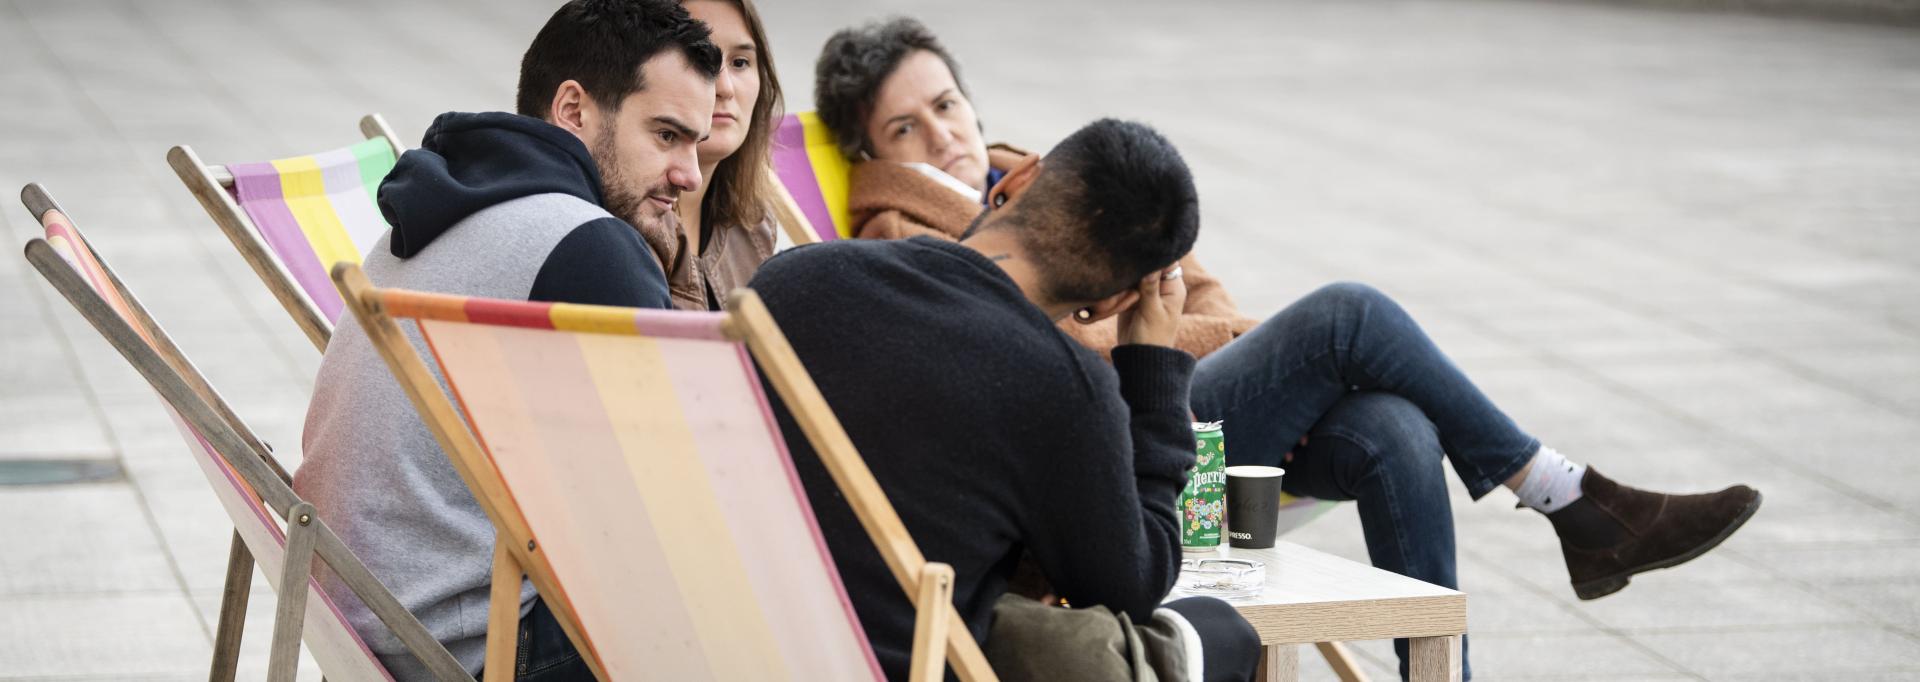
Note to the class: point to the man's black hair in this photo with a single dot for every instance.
(853, 64)
(602, 44)
(1113, 202)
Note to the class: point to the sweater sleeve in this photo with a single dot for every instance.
(602, 262)
(1103, 528)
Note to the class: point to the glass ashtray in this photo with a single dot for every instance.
(1224, 578)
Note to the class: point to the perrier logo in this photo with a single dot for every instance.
(1202, 479)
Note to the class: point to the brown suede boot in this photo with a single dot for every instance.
(1614, 531)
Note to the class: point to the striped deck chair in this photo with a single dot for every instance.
(812, 179)
(251, 486)
(633, 470)
(293, 218)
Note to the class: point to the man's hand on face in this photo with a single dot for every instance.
(1155, 319)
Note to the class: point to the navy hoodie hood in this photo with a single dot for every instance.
(469, 162)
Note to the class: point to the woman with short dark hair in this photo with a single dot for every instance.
(889, 91)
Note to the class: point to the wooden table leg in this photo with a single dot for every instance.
(1278, 663)
(1434, 659)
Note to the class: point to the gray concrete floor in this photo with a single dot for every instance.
(1682, 246)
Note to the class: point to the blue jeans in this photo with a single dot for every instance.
(545, 654)
(1381, 407)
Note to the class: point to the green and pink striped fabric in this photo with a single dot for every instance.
(332, 641)
(640, 449)
(315, 211)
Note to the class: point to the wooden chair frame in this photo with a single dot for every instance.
(210, 185)
(184, 388)
(787, 212)
(939, 636)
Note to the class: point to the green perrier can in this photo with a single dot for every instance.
(1203, 502)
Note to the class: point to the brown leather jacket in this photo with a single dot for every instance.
(730, 259)
(891, 201)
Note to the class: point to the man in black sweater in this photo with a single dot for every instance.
(993, 434)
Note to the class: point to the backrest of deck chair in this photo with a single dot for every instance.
(332, 641)
(640, 450)
(810, 166)
(294, 218)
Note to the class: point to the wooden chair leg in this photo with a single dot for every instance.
(933, 605)
(291, 611)
(233, 612)
(1341, 661)
(503, 612)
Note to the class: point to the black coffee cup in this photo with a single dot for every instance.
(1253, 505)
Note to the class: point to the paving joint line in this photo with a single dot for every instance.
(1580, 614)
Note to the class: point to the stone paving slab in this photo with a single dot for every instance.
(83, 539)
(1836, 653)
(1681, 245)
(122, 635)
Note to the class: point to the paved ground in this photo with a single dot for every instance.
(1682, 246)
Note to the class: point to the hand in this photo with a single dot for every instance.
(1154, 319)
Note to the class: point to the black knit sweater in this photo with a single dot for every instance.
(991, 432)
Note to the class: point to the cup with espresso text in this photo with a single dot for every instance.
(1253, 505)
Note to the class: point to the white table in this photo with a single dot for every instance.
(1313, 597)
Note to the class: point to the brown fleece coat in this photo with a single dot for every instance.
(732, 255)
(891, 201)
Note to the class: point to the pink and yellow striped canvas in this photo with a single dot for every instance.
(814, 172)
(640, 449)
(332, 641)
(315, 211)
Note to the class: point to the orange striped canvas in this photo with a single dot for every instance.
(333, 643)
(641, 450)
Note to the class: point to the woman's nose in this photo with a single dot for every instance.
(942, 134)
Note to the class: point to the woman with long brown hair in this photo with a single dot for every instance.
(725, 228)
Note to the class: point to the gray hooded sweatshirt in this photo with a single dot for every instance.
(494, 205)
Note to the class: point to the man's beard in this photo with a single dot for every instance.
(621, 202)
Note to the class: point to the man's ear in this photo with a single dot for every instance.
(1014, 182)
(1108, 307)
(572, 110)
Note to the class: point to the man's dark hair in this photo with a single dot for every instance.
(602, 44)
(852, 66)
(1113, 202)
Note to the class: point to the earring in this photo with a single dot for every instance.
(1083, 314)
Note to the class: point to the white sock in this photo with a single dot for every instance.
(1552, 483)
